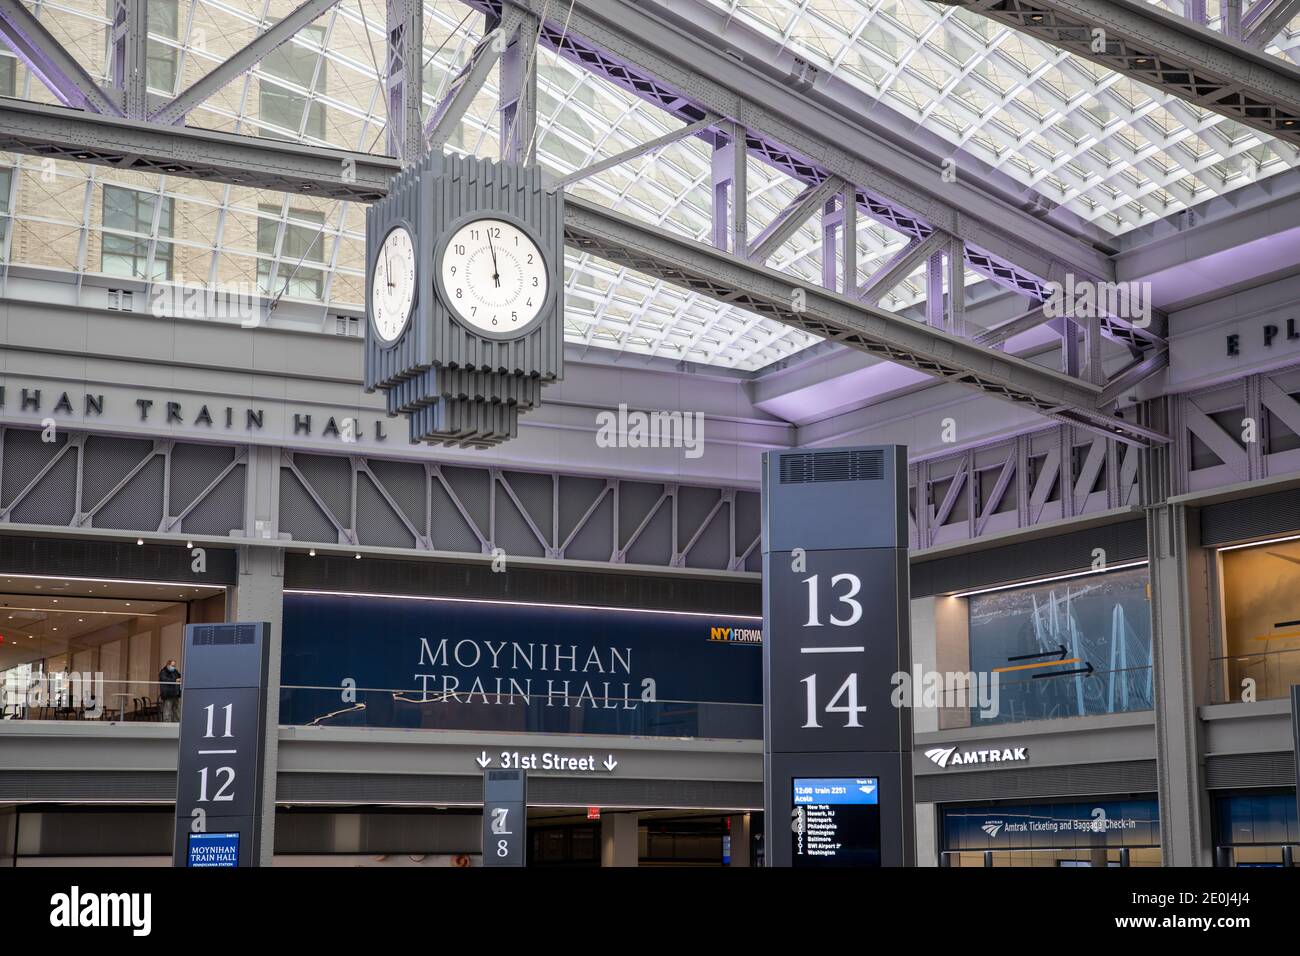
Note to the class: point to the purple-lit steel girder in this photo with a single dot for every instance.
(790, 161)
(779, 155)
(54, 65)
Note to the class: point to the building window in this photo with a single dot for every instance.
(164, 21)
(161, 59)
(6, 190)
(291, 273)
(128, 225)
(282, 105)
(1261, 622)
(8, 75)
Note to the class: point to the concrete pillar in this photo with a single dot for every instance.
(952, 655)
(740, 839)
(1180, 648)
(619, 839)
(927, 835)
(259, 596)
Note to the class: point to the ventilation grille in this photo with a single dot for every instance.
(864, 465)
(1227, 771)
(121, 300)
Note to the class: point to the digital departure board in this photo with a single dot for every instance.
(835, 821)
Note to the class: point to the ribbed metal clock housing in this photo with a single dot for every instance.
(439, 371)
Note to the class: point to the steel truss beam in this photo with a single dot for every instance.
(690, 78)
(241, 61)
(39, 130)
(734, 280)
(1015, 483)
(1148, 44)
(51, 62)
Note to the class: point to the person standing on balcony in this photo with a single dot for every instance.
(169, 694)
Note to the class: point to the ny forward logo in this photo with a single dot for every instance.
(992, 829)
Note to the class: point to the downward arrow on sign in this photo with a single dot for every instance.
(483, 759)
(610, 762)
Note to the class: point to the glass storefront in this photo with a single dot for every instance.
(1065, 648)
(1260, 586)
(92, 650)
(1104, 832)
(366, 661)
(1256, 829)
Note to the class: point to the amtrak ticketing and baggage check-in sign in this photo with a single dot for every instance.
(837, 755)
(220, 766)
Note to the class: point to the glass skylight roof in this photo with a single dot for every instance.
(1117, 153)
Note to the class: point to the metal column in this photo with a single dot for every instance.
(1180, 656)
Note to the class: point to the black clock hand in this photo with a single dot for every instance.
(496, 273)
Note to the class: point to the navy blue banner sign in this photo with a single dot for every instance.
(482, 665)
(1055, 826)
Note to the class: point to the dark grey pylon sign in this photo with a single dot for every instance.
(219, 771)
(837, 755)
(505, 818)
(1295, 733)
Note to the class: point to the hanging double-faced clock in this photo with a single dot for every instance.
(465, 279)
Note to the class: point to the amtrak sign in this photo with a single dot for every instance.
(946, 757)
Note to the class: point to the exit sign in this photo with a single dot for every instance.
(593, 813)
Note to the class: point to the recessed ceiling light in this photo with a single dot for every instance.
(139, 540)
(311, 553)
(357, 556)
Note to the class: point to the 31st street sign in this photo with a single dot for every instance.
(547, 760)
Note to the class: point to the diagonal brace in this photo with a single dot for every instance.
(240, 62)
(56, 67)
(792, 218)
(446, 116)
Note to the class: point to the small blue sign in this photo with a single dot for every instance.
(214, 849)
(836, 790)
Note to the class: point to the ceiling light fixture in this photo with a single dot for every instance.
(1051, 578)
(1259, 544)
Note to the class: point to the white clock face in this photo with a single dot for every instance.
(493, 276)
(392, 291)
